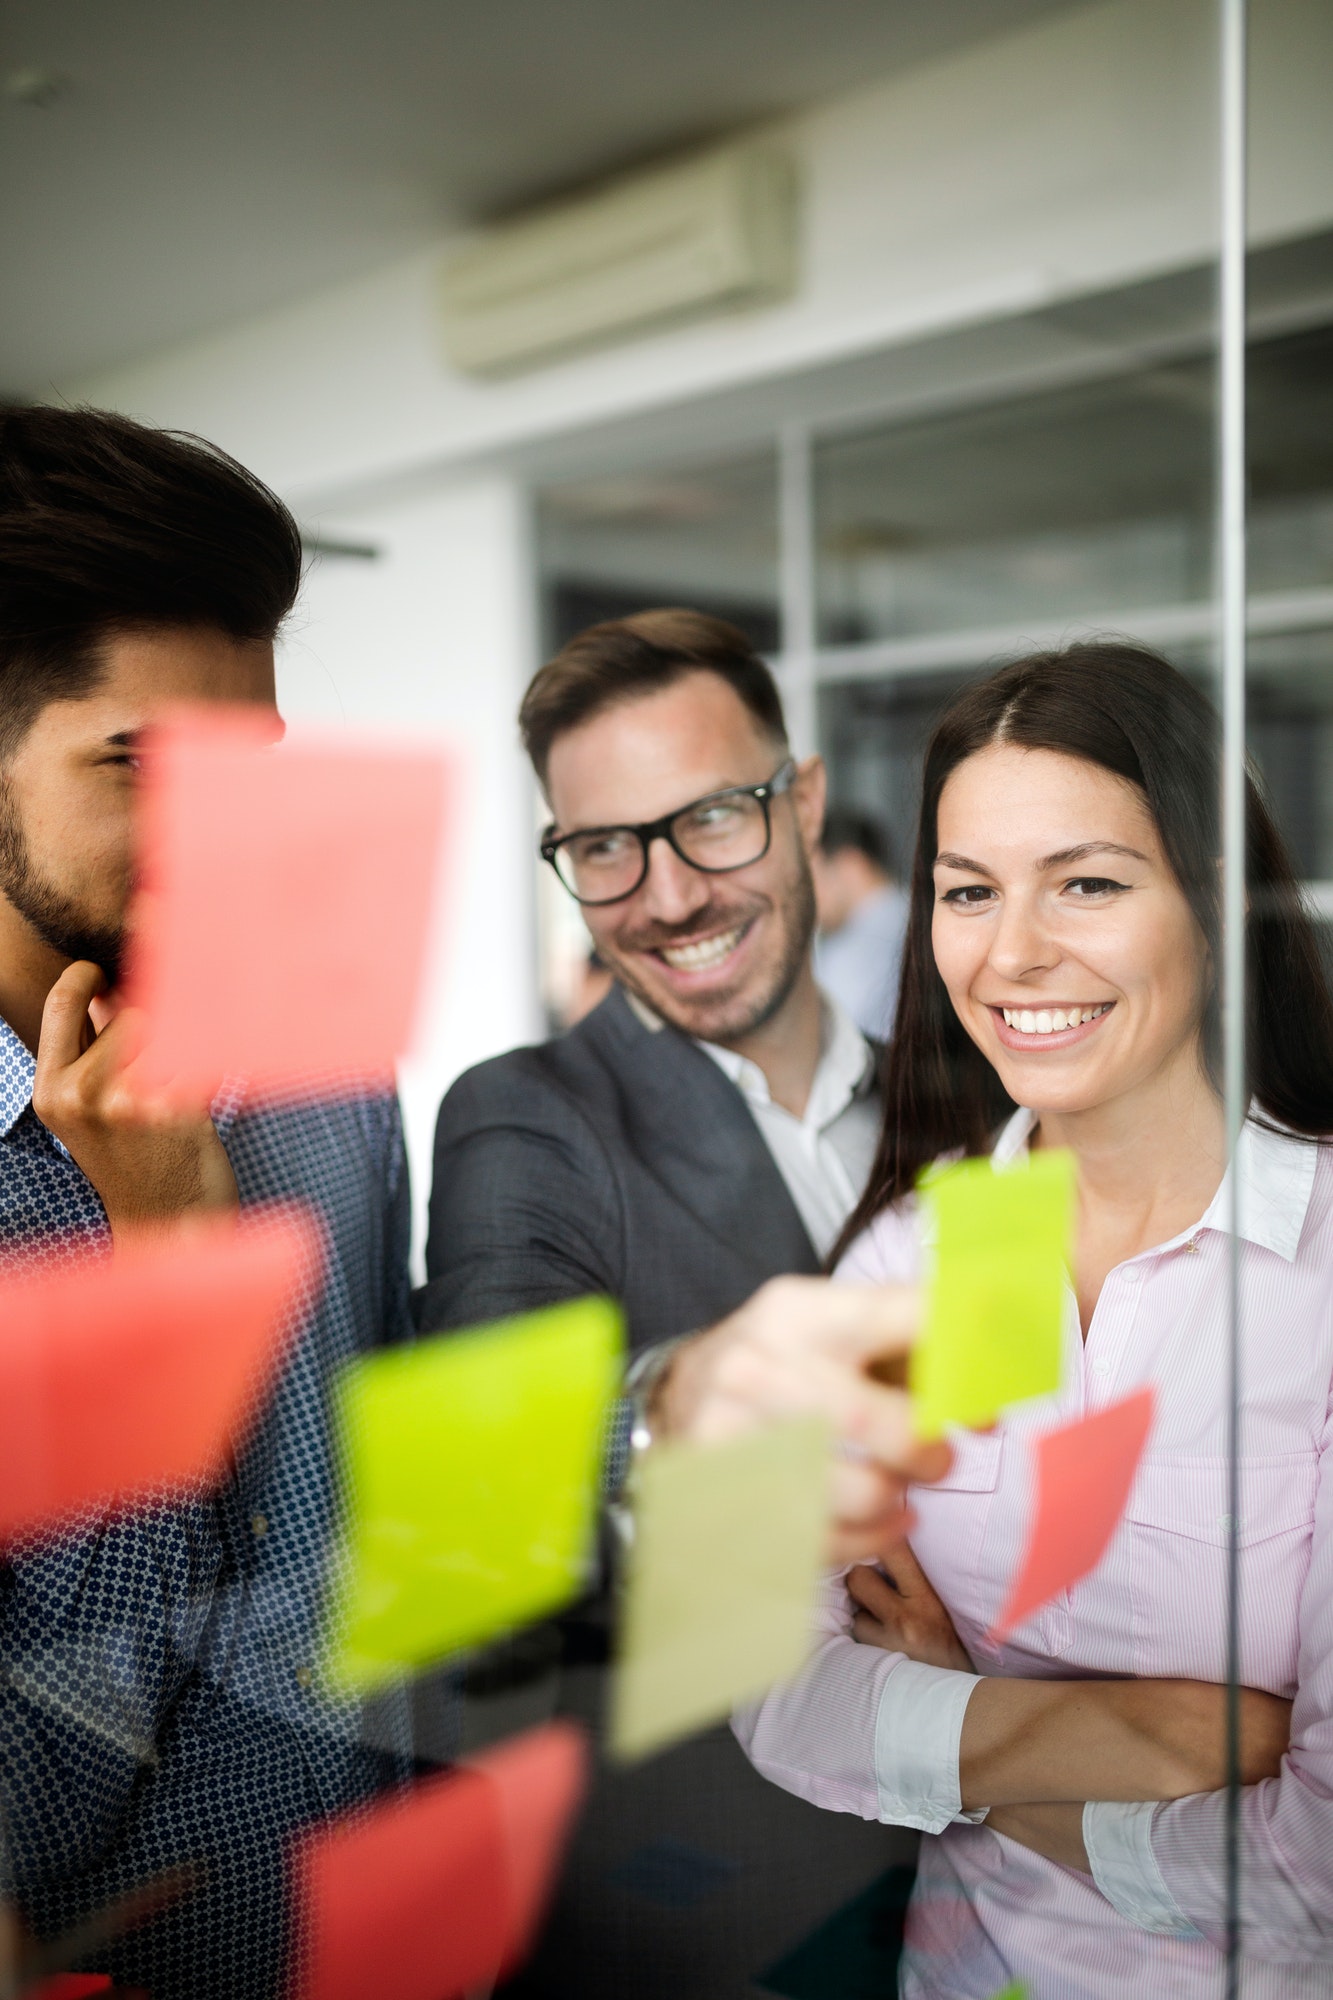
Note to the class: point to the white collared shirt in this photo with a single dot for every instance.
(825, 1156)
(871, 1732)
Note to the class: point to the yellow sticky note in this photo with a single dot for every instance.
(996, 1297)
(471, 1469)
(728, 1544)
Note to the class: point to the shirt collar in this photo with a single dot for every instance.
(18, 1068)
(1274, 1171)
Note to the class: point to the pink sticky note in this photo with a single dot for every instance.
(538, 1780)
(1084, 1473)
(142, 1366)
(436, 1894)
(287, 888)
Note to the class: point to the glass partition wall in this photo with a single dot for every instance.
(1151, 462)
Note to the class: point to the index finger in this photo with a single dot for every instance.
(65, 1015)
(870, 1323)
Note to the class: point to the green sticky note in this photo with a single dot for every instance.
(995, 1300)
(471, 1468)
(1015, 1992)
(728, 1545)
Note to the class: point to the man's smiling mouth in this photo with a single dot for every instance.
(702, 953)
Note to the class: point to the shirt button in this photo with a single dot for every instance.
(1133, 1274)
(304, 1677)
(1227, 1522)
(1100, 1367)
(259, 1525)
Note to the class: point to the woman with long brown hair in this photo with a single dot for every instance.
(1059, 988)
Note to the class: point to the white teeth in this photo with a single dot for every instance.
(1050, 1020)
(695, 957)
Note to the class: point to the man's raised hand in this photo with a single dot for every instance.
(149, 1162)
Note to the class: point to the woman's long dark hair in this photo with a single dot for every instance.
(1129, 711)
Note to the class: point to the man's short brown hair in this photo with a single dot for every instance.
(626, 657)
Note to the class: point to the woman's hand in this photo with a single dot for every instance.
(1054, 1831)
(900, 1611)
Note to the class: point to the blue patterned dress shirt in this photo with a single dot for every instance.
(157, 1703)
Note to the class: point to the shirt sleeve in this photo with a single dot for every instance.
(1170, 1857)
(862, 1731)
(1118, 1841)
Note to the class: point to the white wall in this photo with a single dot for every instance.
(433, 639)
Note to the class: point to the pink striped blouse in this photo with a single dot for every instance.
(869, 1732)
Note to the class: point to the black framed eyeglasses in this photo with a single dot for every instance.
(719, 833)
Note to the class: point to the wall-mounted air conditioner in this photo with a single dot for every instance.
(706, 235)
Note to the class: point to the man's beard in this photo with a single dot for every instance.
(57, 919)
(731, 1020)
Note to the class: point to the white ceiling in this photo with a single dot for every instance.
(206, 159)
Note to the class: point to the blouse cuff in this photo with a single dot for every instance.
(1118, 1840)
(918, 1727)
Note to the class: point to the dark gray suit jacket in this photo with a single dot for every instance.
(612, 1159)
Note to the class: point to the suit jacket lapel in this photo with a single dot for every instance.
(693, 1130)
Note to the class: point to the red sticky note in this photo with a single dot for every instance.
(1084, 1473)
(437, 1893)
(72, 1986)
(538, 1780)
(287, 889)
(140, 1366)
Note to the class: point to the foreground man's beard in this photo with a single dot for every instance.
(733, 1019)
(57, 919)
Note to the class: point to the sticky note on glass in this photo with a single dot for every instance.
(728, 1546)
(471, 1468)
(995, 1300)
(288, 887)
(1084, 1474)
(142, 1366)
(439, 1893)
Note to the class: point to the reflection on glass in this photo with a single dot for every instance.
(1077, 501)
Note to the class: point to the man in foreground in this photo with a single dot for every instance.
(157, 1699)
(711, 1124)
(708, 1127)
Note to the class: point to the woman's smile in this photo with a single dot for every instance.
(1044, 1029)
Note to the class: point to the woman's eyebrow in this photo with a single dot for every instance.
(961, 862)
(1062, 859)
(1067, 855)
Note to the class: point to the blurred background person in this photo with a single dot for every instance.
(862, 915)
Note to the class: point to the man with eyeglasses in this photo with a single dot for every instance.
(706, 1128)
(711, 1124)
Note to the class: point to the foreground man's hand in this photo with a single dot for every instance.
(147, 1161)
(801, 1347)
